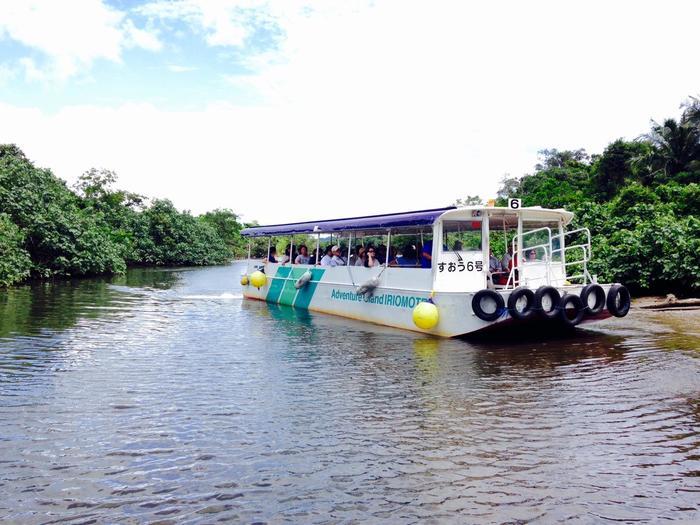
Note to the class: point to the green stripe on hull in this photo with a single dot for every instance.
(290, 291)
(305, 295)
(273, 294)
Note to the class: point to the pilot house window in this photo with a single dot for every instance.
(461, 236)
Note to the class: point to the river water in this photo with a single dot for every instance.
(164, 397)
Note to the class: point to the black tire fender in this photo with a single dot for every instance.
(515, 296)
(488, 294)
(553, 294)
(574, 302)
(619, 310)
(598, 293)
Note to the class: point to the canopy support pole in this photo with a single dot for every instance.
(388, 247)
(562, 253)
(269, 245)
(318, 246)
(291, 249)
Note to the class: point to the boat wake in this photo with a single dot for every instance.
(214, 297)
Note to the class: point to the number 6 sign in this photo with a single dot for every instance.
(514, 204)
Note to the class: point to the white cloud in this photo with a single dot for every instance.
(7, 74)
(72, 34)
(31, 71)
(135, 37)
(174, 68)
(267, 163)
(224, 23)
(399, 105)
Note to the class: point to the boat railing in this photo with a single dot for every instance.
(583, 260)
(513, 280)
(562, 254)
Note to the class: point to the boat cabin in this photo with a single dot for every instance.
(453, 249)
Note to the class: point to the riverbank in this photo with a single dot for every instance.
(675, 327)
(48, 230)
(666, 302)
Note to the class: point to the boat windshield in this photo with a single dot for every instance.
(462, 235)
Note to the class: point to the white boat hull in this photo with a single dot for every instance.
(333, 290)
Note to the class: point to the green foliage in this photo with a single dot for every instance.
(683, 198)
(510, 187)
(227, 227)
(259, 245)
(612, 169)
(61, 237)
(15, 263)
(634, 198)
(469, 200)
(641, 201)
(282, 242)
(47, 230)
(166, 236)
(655, 251)
(553, 158)
(675, 148)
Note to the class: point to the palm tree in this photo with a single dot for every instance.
(691, 112)
(675, 148)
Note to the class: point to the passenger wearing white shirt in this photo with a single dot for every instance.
(337, 259)
(327, 257)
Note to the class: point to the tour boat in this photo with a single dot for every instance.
(459, 282)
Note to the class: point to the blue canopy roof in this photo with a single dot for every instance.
(370, 222)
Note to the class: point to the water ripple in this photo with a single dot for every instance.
(163, 397)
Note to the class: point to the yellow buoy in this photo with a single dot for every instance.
(244, 280)
(258, 279)
(425, 315)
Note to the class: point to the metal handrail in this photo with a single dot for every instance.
(530, 232)
(549, 252)
(584, 247)
(547, 260)
(587, 253)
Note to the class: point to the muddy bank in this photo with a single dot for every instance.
(677, 326)
(666, 302)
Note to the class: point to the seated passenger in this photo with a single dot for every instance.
(303, 257)
(391, 258)
(494, 263)
(356, 258)
(408, 256)
(362, 256)
(426, 256)
(327, 257)
(371, 258)
(286, 258)
(272, 258)
(507, 259)
(498, 274)
(381, 253)
(338, 259)
(458, 246)
(532, 255)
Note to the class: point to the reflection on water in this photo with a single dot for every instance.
(164, 397)
(49, 307)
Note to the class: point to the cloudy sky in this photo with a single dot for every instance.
(293, 109)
